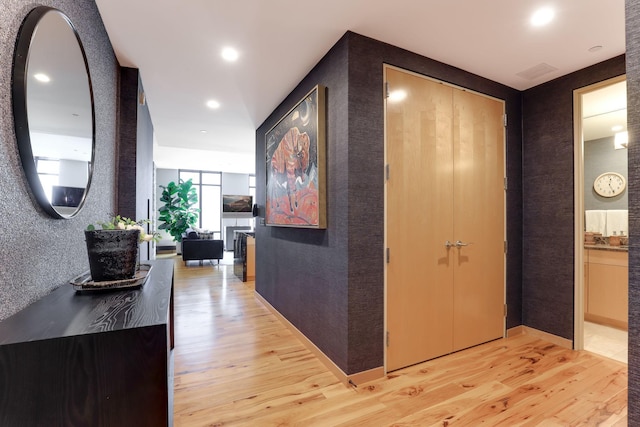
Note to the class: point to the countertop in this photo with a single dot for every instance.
(603, 247)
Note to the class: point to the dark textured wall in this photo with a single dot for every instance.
(303, 272)
(330, 284)
(145, 190)
(548, 184)
(39, 253)
(633, 126)
(127, 147)
(135, 153)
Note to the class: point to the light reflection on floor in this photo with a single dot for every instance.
(209, 308)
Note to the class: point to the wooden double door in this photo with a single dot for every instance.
(445, 218)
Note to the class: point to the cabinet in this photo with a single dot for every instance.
(244, 256)
(607, 287)
(229, 236)
(91, 359)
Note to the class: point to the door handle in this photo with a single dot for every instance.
(459, 244)
(448, 244)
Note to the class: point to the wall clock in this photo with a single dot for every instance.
(609, 184)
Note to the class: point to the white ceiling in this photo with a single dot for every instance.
(176, 46)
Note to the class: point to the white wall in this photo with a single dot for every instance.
(73, 173)
(232, 183)
(235, 184)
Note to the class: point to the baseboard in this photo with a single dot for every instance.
(348, 380)
(512, 332)
(618, 324)
(554, 339)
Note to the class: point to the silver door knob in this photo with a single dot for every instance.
(448, 244)
(460, 244)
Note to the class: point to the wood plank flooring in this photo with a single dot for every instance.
(237, 365)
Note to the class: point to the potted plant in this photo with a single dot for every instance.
(178, 213)
(113, 248)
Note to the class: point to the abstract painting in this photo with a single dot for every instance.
(295, 165)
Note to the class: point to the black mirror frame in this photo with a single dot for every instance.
(20, 116)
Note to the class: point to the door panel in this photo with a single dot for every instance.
(445, 151)
(419, 220)
(478, 140)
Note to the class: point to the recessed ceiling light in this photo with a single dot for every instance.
(203, 131)
(213, 104)
(41, 77)
(617, 128)
(230, 54)
(542, 17)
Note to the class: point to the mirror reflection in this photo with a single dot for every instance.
(605, 145)
(55, 126)
(605, 254)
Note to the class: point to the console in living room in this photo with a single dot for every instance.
(244, 255)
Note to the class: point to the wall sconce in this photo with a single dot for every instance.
(621, 140)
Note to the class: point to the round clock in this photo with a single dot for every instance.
(609, 184)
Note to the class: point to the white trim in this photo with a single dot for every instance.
(553, 339)
(578, 167)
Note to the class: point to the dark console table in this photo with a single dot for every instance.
(91, 358)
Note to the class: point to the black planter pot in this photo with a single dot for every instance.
(113, 254)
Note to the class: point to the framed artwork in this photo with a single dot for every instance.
(295, 165)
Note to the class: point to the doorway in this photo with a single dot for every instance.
(445, 218)
(601, 212)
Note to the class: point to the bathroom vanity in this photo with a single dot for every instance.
(606, 271)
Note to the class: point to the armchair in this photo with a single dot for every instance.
(196, 249)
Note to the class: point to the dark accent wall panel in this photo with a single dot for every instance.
(330, 284)
(548, 183)
(632, 10)
(127, 138)
(144, 169)
(40, 253)
(303, 272)
(135, 152)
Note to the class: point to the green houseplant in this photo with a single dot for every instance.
(178, 212)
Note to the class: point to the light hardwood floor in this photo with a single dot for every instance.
(237, 365)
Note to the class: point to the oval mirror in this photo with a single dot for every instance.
(53, 111)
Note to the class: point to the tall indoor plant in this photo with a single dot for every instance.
(178, 213)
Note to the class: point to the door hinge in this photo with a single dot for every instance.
(388, 255)
(504, 119)
(386, 89)
(506, 183)
(506, 247)
(505, 310)
(387, 338)
(386, 171)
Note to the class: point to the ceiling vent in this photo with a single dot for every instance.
(537, 71)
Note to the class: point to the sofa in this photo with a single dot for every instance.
(199, 247)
